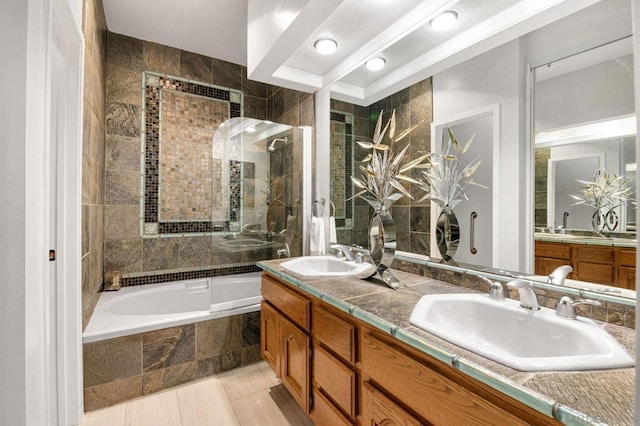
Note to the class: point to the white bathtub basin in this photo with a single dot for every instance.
(524, 340)
(327, 266)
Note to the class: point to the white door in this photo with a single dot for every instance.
(476, 216)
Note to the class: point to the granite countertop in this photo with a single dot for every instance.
(584, 397)
(588, 240)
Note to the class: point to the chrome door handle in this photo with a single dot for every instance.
(472, 244)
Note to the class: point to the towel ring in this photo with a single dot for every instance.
(333, 207)
(318, 207)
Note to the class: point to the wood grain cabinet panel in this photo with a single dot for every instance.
(270, 336)
(602, 265)
(294, 362)
(291, 304)
(336, 380)
(378, 410)
(595, 254)
(595, 272)
(324, 413)
(337, 334)
(627, 278)
(626, 257)
(434, 397)
(553, 250)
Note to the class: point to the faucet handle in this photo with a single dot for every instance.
(496, 289)
(567, 306)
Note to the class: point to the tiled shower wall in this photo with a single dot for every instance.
(411, 218)
(93, 170)
(542, 156)
(127, 58)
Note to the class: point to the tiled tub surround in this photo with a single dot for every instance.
(123, 368)
(614, 311)
(587, 397)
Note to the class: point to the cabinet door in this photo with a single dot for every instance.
(545, 265)
(378, 410)
(270, 336)
(294, 362)
(627, 278)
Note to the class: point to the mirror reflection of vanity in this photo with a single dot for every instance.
(501, 84)
(584, 121)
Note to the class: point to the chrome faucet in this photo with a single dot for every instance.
(349, 252)
(559, 274)
(567, 307)
(528, 297)
(496, 289)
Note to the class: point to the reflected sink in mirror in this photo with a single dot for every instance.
(524, 340)
(328, 266)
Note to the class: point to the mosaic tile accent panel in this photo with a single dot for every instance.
(186, 169)
(187, 200)
(341, 141)
(188, 275)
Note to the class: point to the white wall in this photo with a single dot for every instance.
(27, 393)
(13, 67)
(494, 77)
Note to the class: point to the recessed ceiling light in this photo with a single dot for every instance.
(375, 64)
(250, 129)
(325, 45)
(444, 21)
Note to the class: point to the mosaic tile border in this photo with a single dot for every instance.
(153, 84)
(347, 119)
(187, 275)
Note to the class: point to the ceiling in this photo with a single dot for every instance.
(274, 38)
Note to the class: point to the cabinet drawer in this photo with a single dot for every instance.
(626, 257)
(291, 304)
(335, 379)
(431, 395)
(380, 410)
(595, 254)
(335, 333)
(596, 273)
(324, 413)
(555, 251)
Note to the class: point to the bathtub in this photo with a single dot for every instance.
(144, 308)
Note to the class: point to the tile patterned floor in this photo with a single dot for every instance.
(245, 396)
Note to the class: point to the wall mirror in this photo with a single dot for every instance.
(583, 120)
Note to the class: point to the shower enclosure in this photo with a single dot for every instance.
(262, 200)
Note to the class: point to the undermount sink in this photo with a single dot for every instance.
(503, 331)
(328, 266)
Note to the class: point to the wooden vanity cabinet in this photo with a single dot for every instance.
(614, 266)
(285, 341)
(361, 376)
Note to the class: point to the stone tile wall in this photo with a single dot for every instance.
(412, 105)
(93, 161)
(125, 250)
(124, 368)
